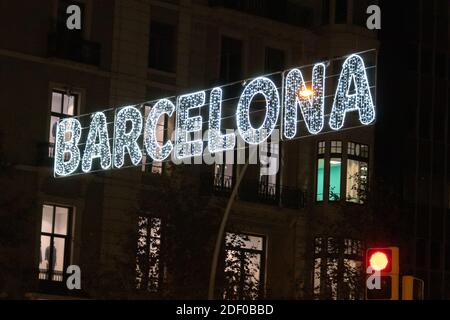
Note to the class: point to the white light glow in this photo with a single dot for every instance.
(268, 89)
(311, 102)
(92, 150)
(68, 133)
(156, 151)
(353, 71)
(124, 140)
(184, 147)
(218, 142)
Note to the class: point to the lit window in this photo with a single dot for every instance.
(335, 179)
(148, 257)
(336, 146)
(244, 267)
(337, 269)
(320, 179)
(55, 242)
(156, 166)
(223, 177)
(321, 147)
(357, 172)
(63, 105)
(358, 150)
(268, 169)
(351, 148)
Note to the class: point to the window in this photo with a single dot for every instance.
(336, 146)
(230, 60)
(321, 147)
(275, 60)
(156, 166)
(63, 105)
(341, 12)
(268, 170)
(335, 179)
(357, 172)
(244, 267)
(325, 12)
(359, 12)
(320, 175)
(337, 269)
(148, 257)
(162, 47)
(223, 177)
(320, 178)
(55, 242)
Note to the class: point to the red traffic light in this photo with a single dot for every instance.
(380, 259)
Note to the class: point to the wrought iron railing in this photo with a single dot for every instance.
(47, 275)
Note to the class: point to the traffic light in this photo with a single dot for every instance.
(383, 262)
(412, 288)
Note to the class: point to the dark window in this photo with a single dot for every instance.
(162, 47)
(427, 60)
(148, 257)
(230, 60)
(55, 242)
(244, 267)
(275, 60)
(63, 105)
(325, 12)
(360, 12)
(341, 12)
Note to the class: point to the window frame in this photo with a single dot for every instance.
(362, 157)
(171, 36)
(242, 251)
(321, 251)
(60, 115)
(67, 242)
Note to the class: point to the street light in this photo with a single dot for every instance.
(305, 93)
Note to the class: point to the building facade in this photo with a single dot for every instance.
(149, 231)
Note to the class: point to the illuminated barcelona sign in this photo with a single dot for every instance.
(324, 97)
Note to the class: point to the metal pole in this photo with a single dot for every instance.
(215, 259)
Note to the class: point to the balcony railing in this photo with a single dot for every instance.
(272, 194)
(223, 184)
(255, 191)
(44, 274)
(71, 46)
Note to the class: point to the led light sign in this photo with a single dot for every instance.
(132, 134)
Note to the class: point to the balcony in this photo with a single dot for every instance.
(44, 274)
(272, 194)
(254, 191)
(71, 46)
(222, 185)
